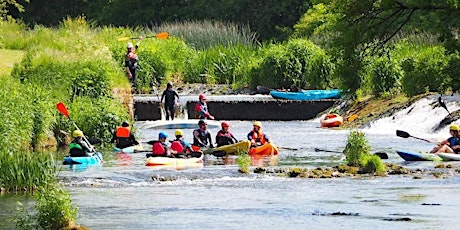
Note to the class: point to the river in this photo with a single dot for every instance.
(122, 194)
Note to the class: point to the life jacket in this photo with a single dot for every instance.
(258, 137)
(224, 138)
(76, 150)
(203, 136)
(158, 149)
(178, 146)
(123, 132)
(201, 110)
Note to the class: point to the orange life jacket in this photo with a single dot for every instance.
(123, 132)
(259, 137)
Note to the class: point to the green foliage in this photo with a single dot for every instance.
(385, 76)
(96, 117)
(373, 164)
(153, 70)
(298, 62)
(53, 210)
(420, 69)
(357, 147)
(452, 72)
(203, 35)
(244, 161)
(23, 171)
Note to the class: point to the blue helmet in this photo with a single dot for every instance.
(162, 135)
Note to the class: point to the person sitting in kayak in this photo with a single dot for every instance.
(452, 144)
(201, 108)
(123, 137)
(201, 136)
(256, 136)
(224, 136)
(78, 147)
(160, 149)
(180, 145)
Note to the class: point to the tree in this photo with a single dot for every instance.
(356, 28)
(5, 6)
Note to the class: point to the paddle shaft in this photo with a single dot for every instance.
(382, 155)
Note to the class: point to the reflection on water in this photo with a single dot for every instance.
(122, 194)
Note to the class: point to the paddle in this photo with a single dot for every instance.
(441, 102)
(381, 155)
(63, 110)
(403, 134)
(162, 35)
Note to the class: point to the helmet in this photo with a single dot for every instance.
(125, 124)
(129, 45)
(201, 122)
(162, 135)
(454, 127)
(179, 132)
(169, 84)
(201, 96)
(77, 133)
(257, 123)
(225, 124)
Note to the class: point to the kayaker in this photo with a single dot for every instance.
(78, 147)
(169, 95)
(123, 137)
(180, 145)
(201, 136)
(131, 61)
(201, 108)
(160, 148)
(224, 136)
(256, 136)
(451, 144)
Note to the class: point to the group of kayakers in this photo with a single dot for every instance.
(202, 139)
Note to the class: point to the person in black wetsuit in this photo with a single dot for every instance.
(169, 96)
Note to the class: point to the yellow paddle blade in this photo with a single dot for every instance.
(123, 39)
(162, 35)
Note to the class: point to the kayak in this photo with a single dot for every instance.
(331, 120)
(130, 149)
(413, 156)
(306, 95)
(233, 149)
(93, 160)
(449, 156)
(177, 163)
(266, 149)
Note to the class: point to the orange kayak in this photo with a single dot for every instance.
(266, 149)
(331, 120)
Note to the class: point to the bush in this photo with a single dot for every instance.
(385, 76)
(356, 149)
(423, 72)
(373, 164)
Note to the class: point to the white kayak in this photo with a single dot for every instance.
(449, 156)
(176, 124)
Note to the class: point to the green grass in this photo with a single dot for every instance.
(7, 60)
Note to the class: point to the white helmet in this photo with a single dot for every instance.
(129, 45)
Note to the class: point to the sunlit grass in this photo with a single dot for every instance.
(8, 59)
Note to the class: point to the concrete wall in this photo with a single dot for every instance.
(243, 110)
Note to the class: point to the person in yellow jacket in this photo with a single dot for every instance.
(123, 137)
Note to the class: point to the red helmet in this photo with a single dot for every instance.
(202, 96)
(225, 124)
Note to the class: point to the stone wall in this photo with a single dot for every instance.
(281, 110)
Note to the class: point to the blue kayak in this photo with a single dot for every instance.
(306, 95)
(94, 160)
(414, 156)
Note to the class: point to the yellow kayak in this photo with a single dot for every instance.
(233, 149)
(177, 163)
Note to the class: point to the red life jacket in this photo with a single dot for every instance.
(158, 149)
(177, 146)
(123, 132)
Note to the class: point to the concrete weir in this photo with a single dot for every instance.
(235, 107)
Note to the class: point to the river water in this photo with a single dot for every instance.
(122, 194)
